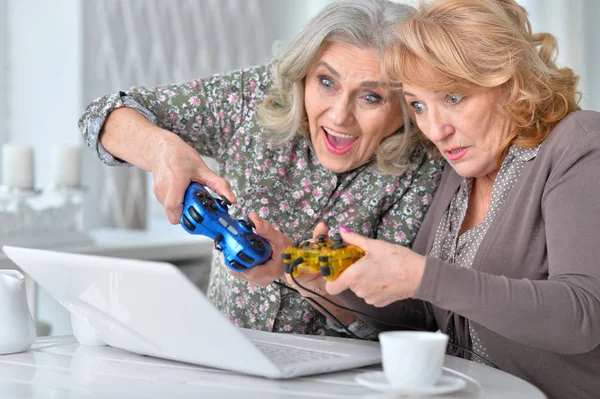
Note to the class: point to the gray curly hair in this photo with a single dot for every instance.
(362, 23)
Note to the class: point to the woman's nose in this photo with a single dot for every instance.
(341, 111)
(439, 127)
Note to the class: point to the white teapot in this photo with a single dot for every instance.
(17, 328)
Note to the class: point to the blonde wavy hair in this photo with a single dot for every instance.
(470, 45)
(366, 24)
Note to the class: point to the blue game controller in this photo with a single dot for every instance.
(203, 214)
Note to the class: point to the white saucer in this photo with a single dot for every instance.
(376, 380)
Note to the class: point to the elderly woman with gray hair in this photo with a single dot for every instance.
(317, 137)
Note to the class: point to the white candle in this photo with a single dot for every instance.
(67, 166)
(17, 166)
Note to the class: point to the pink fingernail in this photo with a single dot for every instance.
(344, 229)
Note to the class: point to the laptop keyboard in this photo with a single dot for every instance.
(283, 354)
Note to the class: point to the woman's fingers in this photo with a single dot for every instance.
(176, 166)
(216, 183)
(307, 284)
(265, 274)
(173, 203)
(266, 230)
(387, 273)
(354, 239)
(320, 229)
(261, 275)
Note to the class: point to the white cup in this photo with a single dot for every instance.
(412, 358)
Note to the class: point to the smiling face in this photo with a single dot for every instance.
(468, 130)
(349, 108)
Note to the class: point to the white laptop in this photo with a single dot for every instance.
(151, 308)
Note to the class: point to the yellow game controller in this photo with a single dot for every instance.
(329, 257)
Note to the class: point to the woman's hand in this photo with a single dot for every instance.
(265, 274)
(129, 136)
(316, 283)
(386, 274)
(174, 166)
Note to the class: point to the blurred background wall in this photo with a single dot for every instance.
(57, 55)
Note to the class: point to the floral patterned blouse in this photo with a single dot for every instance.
(285, 185)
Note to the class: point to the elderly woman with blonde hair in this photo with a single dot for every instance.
(507, 259)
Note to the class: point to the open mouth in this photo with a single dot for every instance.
(338, 143)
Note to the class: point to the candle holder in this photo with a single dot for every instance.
(15, 213)
(73, 199)
(8, 193)
(31, 218)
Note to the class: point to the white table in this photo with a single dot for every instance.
(57, 367)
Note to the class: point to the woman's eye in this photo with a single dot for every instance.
(326, 82)
(454, 98)
(417, 106)
(372, 98)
